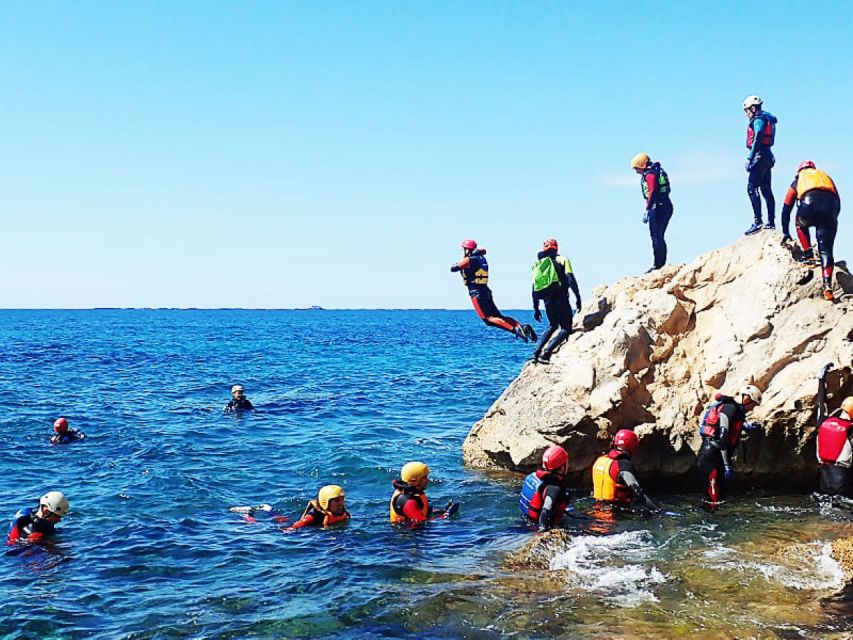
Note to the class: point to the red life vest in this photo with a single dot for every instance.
(833, 442)
(709, 427)
(532, 500)
(768, 131)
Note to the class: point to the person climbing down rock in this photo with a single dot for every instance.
(818, 206)
(544, 494)
(475, 274)
(721, 427)
(552, 278)
(614, 481)
(760, 136)
(656, 189)
(834, 442)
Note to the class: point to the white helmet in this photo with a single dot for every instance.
(752, 391)
(236, 388)
(56, 502)
(752, 101)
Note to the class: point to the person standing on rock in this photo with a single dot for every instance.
(552, 279)
(475, 274)
(834, 443)
(760, 136)
(656, 189)
(819, 206)
(614, 481)
(544, 494)
(721, 429)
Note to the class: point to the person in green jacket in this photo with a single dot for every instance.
(552, 279)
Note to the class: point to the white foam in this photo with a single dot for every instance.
(611, 566)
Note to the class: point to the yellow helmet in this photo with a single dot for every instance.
(847, 405)
(328, 493)
(412, 472)
(640, 161)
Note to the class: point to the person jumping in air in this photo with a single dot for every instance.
(475, 274)
(834, 442)
(721, 429)
(552, 278)
(656, 189)
(819, 206)
(760, 136)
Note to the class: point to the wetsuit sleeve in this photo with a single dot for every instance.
(821, 400)
(413, 512)
(464, 263)
(304, 521)
(757, 126)
(249, 404)
(652, 184)
(626, 476)
(573, 285)
(228, 407)
(550, 500)
(790, 199)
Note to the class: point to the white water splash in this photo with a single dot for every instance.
(613, 566)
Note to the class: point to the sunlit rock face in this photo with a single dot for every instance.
(650, 352)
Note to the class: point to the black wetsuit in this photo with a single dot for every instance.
(29, 523)
(557, 306)
(238, 404)
(71, 435)
(716, 451)
(476, 276)
(835, 479)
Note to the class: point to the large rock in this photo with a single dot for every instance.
(654, 349)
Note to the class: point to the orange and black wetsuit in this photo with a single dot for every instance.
(819, 206)
(475, 274)
(315, 516)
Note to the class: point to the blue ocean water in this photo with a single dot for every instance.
(150, 548)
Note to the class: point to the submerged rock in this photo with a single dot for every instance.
(539, 551)
(654, 349)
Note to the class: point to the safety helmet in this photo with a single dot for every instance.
(469, 244)
(752, 391)
(554, 457)
(550, 243)
(752, 101)
(56, 502)
(805, 164)
(626, 440)
(640, 161)
(60, 425)
(328, 493)
(236, 388)
(847, 405)
(412, 472)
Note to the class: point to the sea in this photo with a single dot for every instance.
(151, 548)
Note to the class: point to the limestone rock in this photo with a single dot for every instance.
(651, 351)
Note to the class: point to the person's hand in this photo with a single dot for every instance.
(728, 472)
(824, 370)
(751, 426)
(537, 315)
(749, 166)
(646, 216)
(579, 305)
(454, 268)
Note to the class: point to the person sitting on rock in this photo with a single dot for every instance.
(409, 503)
(721, 428)
(544, 494)
(64, 435)
(834, 443)
(239, 402)
(327, 510)
(552, 279)
(614, 481)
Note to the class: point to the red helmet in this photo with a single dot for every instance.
(554, 458)
(626, 440)
(469, 244)
(60, 425)
(806, 164)
(550, 243)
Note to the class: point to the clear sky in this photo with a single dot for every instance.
(281, 154)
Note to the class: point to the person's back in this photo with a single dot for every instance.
(834, 443)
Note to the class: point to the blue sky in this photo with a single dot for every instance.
(280, 154)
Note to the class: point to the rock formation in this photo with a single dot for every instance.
(651, 351)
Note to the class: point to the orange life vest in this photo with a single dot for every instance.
(396, 511)
(604, 486)
(810, 179)
(323, 518)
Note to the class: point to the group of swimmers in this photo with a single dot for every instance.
(544, 496)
